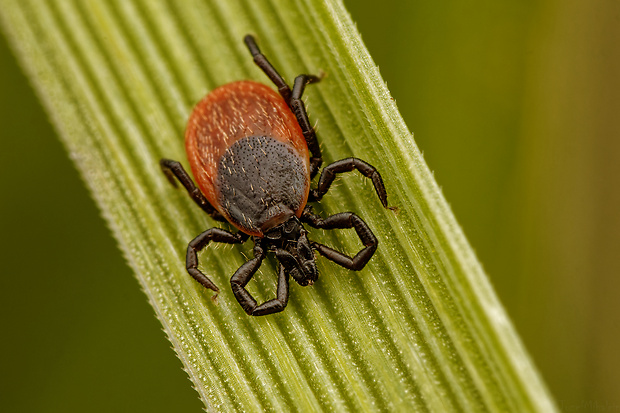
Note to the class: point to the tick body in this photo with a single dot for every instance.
(249, 156)
(253, 154)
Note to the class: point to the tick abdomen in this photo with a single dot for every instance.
(261, 182)
(232, 113)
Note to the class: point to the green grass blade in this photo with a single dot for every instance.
(419, 329)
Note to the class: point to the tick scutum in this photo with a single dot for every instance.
(261, 182)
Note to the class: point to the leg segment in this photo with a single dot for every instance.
(299, 109)
(199, 243)
(279, 303)
(345, 165)
(173, 169)
(292, 98)
(262, 62)
(341, 221)
(245, 273)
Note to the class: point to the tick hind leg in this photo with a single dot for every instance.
(292, 98)
(173, 169)
(344, 220)
(299, 109)
(271, 72)
(199, 243)
(243, 276)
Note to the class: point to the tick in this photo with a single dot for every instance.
(253, 154)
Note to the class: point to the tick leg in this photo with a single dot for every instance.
(293, 99)
(243, 276)
(262, 62)
(341, 221)
(199, 243)
(279, 303)
(173, 169)
(345, 165)
(299, 109)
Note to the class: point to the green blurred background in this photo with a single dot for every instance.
(516, 106)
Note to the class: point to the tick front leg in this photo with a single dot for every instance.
(279, 303)
(199, 243)
(243, 276)
(341, 221)
(173, 169)
(345, 165)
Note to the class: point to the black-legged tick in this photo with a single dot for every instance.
(253, 153)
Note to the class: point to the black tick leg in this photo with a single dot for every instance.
(341, 221)
(199, 243)
(299, 109)
(173, 169)
(245, 273)
(292, 98)
(279, 303)
(345, 165)
(262, 62)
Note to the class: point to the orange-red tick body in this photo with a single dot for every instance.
(249, 156)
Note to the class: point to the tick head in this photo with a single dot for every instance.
(294, 252)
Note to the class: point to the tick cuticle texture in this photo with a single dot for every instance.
(261, 179)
